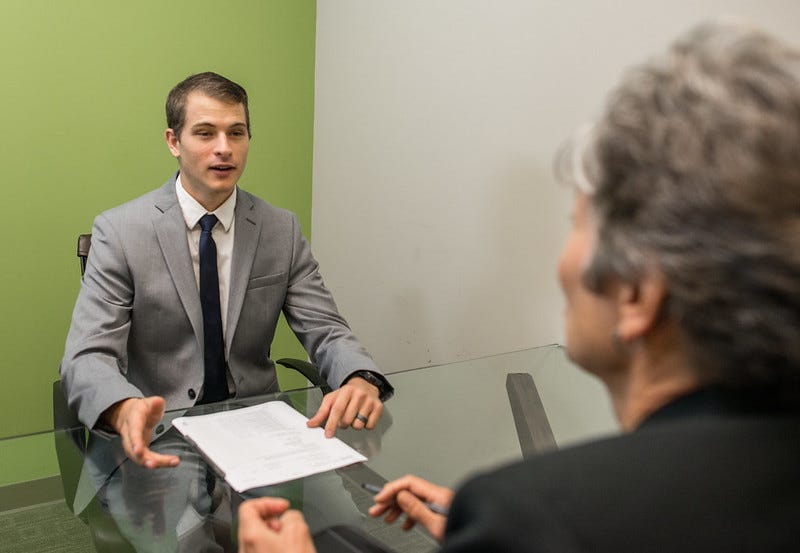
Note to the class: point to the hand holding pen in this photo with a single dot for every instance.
(420, 500)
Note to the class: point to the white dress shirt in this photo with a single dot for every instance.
(222, 233)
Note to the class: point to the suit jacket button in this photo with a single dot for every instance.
(159, 429)
(192, 393)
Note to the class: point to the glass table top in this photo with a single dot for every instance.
(444, 423)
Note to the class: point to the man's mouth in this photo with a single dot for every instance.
(223, 168)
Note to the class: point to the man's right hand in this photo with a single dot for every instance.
(134, 419)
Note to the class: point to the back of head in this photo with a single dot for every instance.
(694, 170)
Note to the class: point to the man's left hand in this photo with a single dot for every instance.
(348, 406)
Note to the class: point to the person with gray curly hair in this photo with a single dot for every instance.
(681, 276)
(693, 175)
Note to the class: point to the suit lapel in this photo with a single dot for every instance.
(245, 241)
(170, 230)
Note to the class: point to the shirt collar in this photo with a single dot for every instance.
(193, 211)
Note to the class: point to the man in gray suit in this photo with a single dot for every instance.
(138, 343)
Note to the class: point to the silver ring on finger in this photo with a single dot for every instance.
(362, 418)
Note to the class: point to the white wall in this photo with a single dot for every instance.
(435, 216)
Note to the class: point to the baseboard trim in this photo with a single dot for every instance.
(34, 492)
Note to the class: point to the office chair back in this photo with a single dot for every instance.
(84, 243)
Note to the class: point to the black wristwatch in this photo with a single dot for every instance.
(385, 390)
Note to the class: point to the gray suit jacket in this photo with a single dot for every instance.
(137, 328)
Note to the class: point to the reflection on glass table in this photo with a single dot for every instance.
(444, 423)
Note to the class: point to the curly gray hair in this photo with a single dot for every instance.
(694, 169)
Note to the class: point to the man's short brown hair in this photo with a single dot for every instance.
(208, 83)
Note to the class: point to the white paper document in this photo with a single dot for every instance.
(264, 444)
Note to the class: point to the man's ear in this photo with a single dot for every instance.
(639, 306)
(172, 142)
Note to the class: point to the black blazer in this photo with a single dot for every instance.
(707, 473)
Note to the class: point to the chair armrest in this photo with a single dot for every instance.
(308, 370)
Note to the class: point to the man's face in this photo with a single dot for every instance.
(590, 316)
(212, 148)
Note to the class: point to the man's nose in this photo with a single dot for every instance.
(222, 145)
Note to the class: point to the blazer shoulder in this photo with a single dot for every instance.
(576, 471)
(252, 202)
(546, 503)
(274, 220)
(155, 201)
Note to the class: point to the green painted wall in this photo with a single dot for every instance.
(83, 90)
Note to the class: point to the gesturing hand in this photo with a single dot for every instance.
(134, 419)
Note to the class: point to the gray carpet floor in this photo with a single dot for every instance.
(43, 528)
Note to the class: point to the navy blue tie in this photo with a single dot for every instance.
(215, 387)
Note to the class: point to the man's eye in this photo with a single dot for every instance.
(237, 133)
(204, 134)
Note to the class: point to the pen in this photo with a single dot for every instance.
(435, 507)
